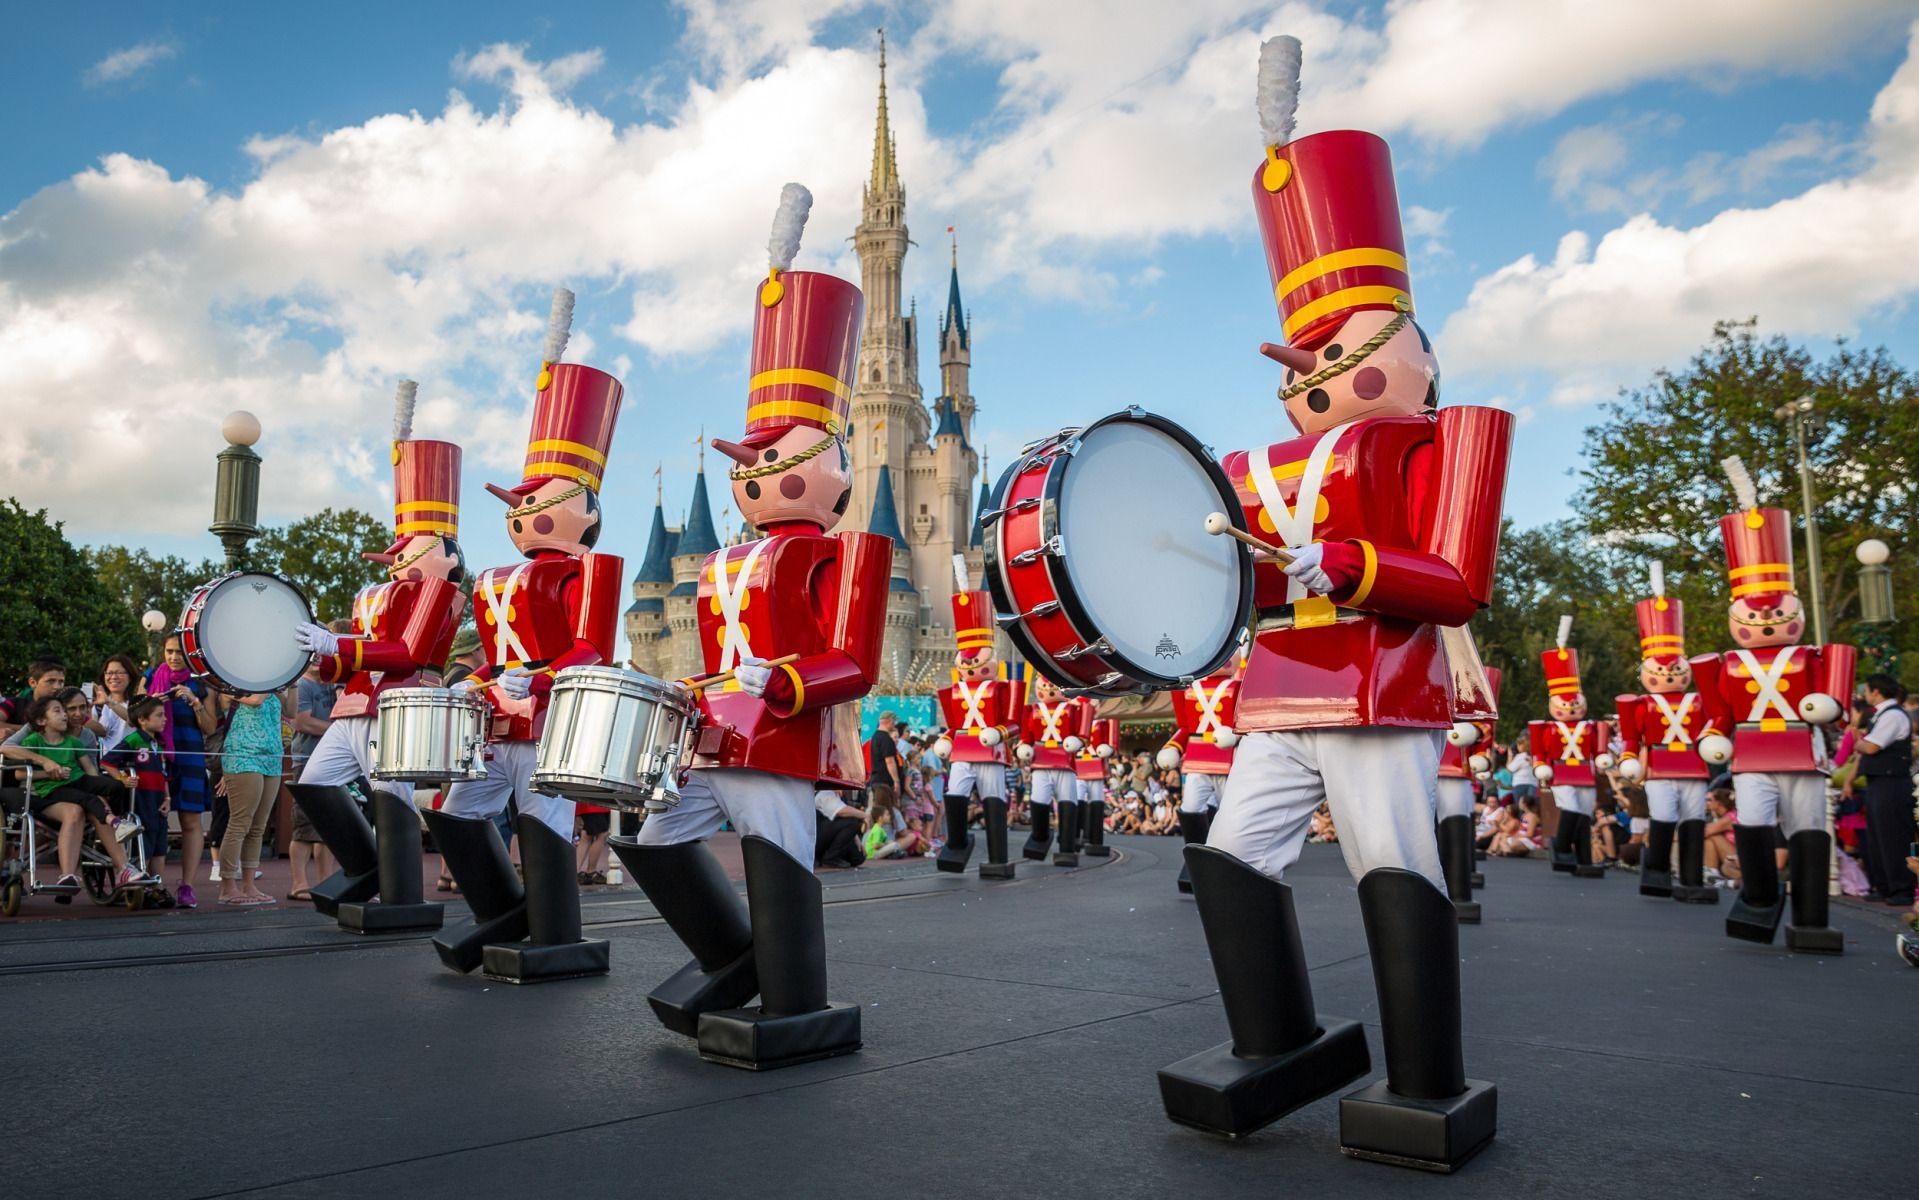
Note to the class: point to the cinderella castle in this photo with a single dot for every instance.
(916, 475)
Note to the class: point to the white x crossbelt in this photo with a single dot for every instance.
(970, 701)
(1771, 698)
(1209, 705)
(1675, 718)
(1295, 524)
(730, 591)
(507, 646)
(1574, 755)
(1051, 716)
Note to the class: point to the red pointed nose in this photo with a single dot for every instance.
(507, 495)
(1299, 360)
(743, 455)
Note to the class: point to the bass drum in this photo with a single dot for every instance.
(1100, 564)
(237, 633)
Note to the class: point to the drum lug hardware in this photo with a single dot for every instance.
(1135, 411)
(1051, 547)
(993, 514)
(1044, 608)
(1102, 646)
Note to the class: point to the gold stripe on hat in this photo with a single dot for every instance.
(565, 447)
(818, 379)
(405, 527)
(794, 408)
(1768, 586)
(1344, 298)
(1760, 569)
(1340, 260)
(425, 506)
(548, 465)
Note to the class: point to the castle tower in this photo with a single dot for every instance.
(646, 628)
(697, 540)
(956, 352)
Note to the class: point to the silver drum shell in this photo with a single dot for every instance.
(614, 738)
(427, 734)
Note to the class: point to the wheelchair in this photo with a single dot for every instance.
(29, 845)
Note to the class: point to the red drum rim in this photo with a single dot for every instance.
(188, 633)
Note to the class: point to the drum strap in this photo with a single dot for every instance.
(1675, 718)
(1771, 698)
(507, 646)
(1209, 705)
(1572, 736)
(1295, 524)
(730, 590)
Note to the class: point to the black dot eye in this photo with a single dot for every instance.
(1333, 352)
(1289, 375)
(752, 490)
(1318, 400)
(772, 455)
(516, 525)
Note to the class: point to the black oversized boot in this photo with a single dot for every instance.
(476, 858)
(1092, 829)
(795, 1022)
(690, 891)
(402, 906)
(1692, 887)
(1193, 827)
(341, 825)
(1040, 840)
(554, 947)
(1756, 910)
(1456, 861)
(1425, 1113)
(1655, 869)
(1584, 867)
(1068, 855)
(1282, 1054)
(1810, 861)
(1564, 856)
(997, 865)
(959, 843)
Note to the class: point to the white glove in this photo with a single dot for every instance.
(1305, 568)
(991, 736)
(943, 747)
(1631, 768)
(1225, 737)
(1024, 752)
(469, 684)
(1603, 761)
(1073, 745)
(1480, 765)
(1167, 758)
(1543, 773)
(1819, 708)
(1716, 749)
(1104, 751)
(752, 675)
(516, 683)
(1463, 734)
(316, 639)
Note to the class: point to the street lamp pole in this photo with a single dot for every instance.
(1799, 412)
(236, 488)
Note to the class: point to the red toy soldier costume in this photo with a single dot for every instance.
(1461, 761)
(1389, 510)
(797, 618)
(402, 632)
(1054, 731)
(980, 708)
(1566, 749)
(1768, 694)
(1089, 766)
(1659, 736)
(557, 609)
(1202, 748)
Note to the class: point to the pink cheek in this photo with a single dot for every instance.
(1744, 635)
(542, 524)
(1369, 383)
(415, 573)
(1794, 629)
(792, 486)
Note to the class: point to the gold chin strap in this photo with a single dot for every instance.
(425, 550)
(547, 503)
(1351, 360)
(738, 474)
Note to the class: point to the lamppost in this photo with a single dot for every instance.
(155, 623)
(1799, 412)
(236, 488)
(1875, 604)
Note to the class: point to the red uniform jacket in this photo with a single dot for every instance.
(1663, 732)
(1753, 697)
(1453, 762)
(1569, 749)
(1047, 727)
(550, 612)
(796, 591)
(1088, 764)
(1201, 709)
(1409, 510)
(401, 632)
(971, 708)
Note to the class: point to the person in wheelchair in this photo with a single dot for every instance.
(68, 789)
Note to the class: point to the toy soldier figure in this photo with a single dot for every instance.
(1659, 734)
(980, 707)
(790, 626)
(402, 632)
(559, 608)
(1768, 694)
(1202, 749)
(1566, 750)
(1055, 730)
(1089, 766)
(1462, 760)
(1388, 507)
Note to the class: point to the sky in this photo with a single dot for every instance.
(287, 208)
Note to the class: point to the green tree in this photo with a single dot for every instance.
(141, 581)
(52, 603)
(320, 554)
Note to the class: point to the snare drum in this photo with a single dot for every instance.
(237, 633)
(429, 734)
(615, 738)
(1100, 564)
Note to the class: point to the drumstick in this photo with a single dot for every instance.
(694, 685)
(1218, 523)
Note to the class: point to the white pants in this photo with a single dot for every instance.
(1051, 783)
(778, 808)
(509, 776)
(1090, 790)
(1201, 792)
(1794, 799)
(1575, 799)
(1676, 800)
(989, 778)
(341, 756)
(1378, 782)
(1455, 797)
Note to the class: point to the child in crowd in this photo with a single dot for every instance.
(595, 824)
(1722, 857)
(67, 790)
(887, 832)
(139, 754)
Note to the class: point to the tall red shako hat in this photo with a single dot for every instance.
(574, 409)
(1562, 664)
(1662, 621)
(806, 336)
(426, 480)
(972, 613)
(1328, 213)
(1758, 544)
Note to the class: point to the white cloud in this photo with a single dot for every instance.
(125, 64)
(1592, 167)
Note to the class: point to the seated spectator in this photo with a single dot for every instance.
(111, 695)
(1322, 828)
(1129, 814)
(887, 832)
(67, 790)
(1722, 856)
(45, 677)
(839, 826)
(139, 755)
(1518, 835)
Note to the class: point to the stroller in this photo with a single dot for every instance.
(28, 842)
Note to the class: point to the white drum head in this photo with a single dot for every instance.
(1132, 514)
(246, 633)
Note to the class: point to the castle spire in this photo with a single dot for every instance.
(886, 173)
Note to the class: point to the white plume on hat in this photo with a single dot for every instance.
(1565, 629)
(962, 578)
(559, 325)
(403, 401)
(796, 204)
(1741, 480)
(1657, 570)
(1279, 59)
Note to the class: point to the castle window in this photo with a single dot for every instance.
(876, 374)
(922, 510)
